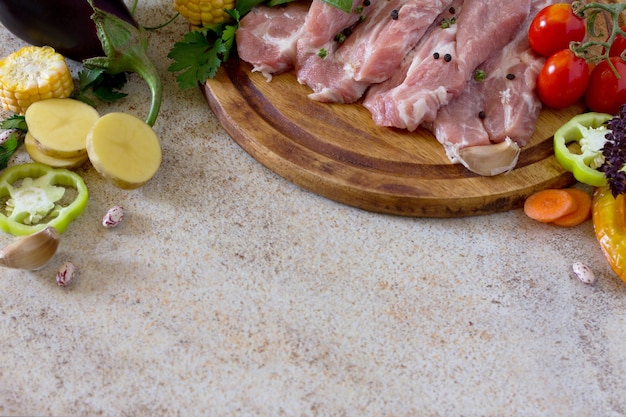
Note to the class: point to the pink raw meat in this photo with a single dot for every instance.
(322, 75)
(372, 50)
(267, 37)
(505, 98)
(431, 83)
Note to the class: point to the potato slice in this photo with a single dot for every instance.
(60, 126)
(124, 150)
(36, 155)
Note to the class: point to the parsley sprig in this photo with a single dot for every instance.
(16, 127)
(202, 51)
(96, 83)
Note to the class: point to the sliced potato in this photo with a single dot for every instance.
(36, 155)
(60, 126)
(124, 150)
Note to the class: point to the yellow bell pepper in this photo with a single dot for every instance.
(31, 74)
(203, 12)
(609, 222)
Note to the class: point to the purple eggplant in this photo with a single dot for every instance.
(65, 25)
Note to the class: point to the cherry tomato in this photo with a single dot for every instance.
(553, 28)
(619, 44)
(563, 79)
(606, 93)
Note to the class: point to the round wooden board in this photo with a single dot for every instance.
(336, 151)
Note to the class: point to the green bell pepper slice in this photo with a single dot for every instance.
(34, 196)
(589, 131)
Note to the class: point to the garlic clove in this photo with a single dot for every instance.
(31, 252)
(489, 160)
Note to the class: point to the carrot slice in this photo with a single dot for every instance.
(582, 212)
(548, 205)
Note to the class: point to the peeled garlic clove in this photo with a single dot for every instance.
(489, 160)
(31, 252)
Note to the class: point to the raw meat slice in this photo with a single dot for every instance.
(431, 83)
(372, 51)
(380, 44)
(324, 21)
(267, 37)
(323, 75)
(459, 124)
(395, 101)
(502, 107)
(511, 106)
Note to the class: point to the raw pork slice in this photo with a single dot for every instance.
(267, 37)
(379, 45)
(372, 51)
(431, 83)
(322, 24)
(511, 106)
(502, 107)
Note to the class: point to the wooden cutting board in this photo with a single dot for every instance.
(336, 151)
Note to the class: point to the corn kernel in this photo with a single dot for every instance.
(203, 12)
(31, 74)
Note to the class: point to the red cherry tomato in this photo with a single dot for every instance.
(605, 92)
(553, 28)
(619, 44)
(563, 79)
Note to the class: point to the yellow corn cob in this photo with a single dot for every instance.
(31, 74)
(203, 12)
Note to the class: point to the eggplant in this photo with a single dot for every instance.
(65, 25)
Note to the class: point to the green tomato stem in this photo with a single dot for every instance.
(590, 12)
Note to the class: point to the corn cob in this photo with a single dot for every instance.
(31, 74)
(203, 12)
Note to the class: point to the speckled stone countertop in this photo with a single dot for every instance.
(228, 291)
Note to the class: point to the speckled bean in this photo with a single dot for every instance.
(66, 273)
(584, 273)
(113, 217)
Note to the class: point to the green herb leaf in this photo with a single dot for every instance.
(7, 149)
(345, 5)
(244, 6)
(273, 3)
(15, 122)
(201, 52)
(86, 78)
(97, 83)
(228, 35)
(479, 75)
(196, 57)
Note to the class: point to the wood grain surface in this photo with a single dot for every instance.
(336, 151)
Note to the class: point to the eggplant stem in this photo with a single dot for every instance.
(125, 47)
(162, 25)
